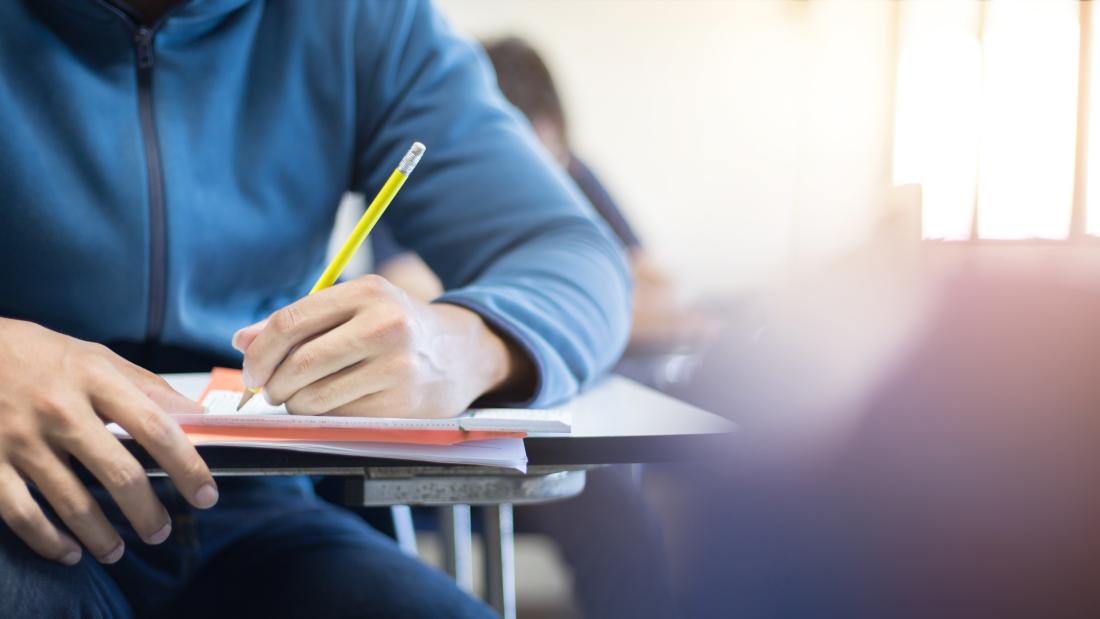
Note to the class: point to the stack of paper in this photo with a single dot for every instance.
(260, 420)
(490, 437)
(506, 453)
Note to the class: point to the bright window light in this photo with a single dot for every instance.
(1029, 125)
(936, 130)
(991, 121)
(1092, 187)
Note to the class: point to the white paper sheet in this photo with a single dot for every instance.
(501, 452)
(221, 409)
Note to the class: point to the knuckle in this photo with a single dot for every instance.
(74, 508)
(125, 476)
(57, 415)
(95, 368)
(305, 359)
(16, 436)
(151, 378)
(48, 402)
(75, 361)
(21, 517)
(311, 401)
(98, 349)
(371, 284)
(284, 321)
(364, 335)
(191, 471)
(395, 324)
(276, 390)
(157, 429)
(318, 399)
(274, 393)
(195, 468)
(402, 325)
(402, 366)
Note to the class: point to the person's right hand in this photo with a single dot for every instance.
(56, 394)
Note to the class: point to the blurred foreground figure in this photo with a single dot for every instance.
(961, 479)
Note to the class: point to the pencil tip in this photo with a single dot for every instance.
(248, 393)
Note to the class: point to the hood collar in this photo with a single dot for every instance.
(188, 11)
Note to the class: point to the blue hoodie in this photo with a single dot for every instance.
(165, 185)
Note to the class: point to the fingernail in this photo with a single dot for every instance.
(71, 558)
(246, 378)
(114, 555)
(235, 343)
(160, 535)
(206, 496)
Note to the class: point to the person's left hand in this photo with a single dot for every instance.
(364, 348)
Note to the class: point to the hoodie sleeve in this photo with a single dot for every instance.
(487, 209)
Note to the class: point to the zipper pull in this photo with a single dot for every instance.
(143, 43)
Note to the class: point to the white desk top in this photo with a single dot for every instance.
(616, 407)
(616, 421)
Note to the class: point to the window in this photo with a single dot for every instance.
(992, 118)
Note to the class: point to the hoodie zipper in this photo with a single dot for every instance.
(142, 38)
(158, 267)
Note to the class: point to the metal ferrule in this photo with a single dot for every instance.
(411, 158)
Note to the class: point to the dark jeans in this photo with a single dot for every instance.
(270, 548)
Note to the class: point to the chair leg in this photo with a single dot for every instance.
(403, 529)
(500, 568)
(457, 541)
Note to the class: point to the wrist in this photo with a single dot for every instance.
(496, 364)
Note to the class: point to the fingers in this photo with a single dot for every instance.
(155, 388)
(390, 403)
(337, 390)
(24, 517)
(124, 479)
(73, 504)
(242, 339)
(291, 326)
(162, 437)
(315, 360)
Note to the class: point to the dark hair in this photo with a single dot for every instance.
(525, 80)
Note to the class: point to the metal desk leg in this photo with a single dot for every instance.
(403, 529)
(500, 565)
(496, 489)
(457, 540)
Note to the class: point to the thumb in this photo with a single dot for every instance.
(243, 338)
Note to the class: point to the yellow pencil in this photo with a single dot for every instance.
(359, 233)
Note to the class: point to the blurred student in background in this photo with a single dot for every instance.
(663, 318)
(625, 575)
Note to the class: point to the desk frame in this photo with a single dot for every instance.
(453, 490)
(615, 422)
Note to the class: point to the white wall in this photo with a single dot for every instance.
(742, 138)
